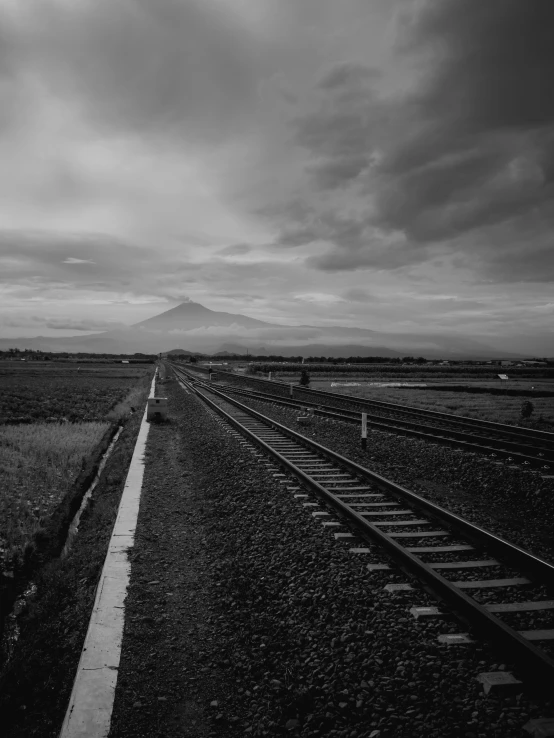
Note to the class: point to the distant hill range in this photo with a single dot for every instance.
(178, 352)
(191, 327)
(311, 349)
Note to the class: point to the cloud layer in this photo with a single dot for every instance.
(455, 163)
(302, 161)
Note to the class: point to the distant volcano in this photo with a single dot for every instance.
(193, 327)
(190, 315)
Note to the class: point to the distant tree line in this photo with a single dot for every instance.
(437, 370)
(35, 355)
(298, 359)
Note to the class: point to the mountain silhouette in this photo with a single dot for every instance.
(192, 327)
(189, 315)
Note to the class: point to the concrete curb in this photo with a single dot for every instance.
(90, 705)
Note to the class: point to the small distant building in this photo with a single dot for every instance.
(505, 362)
(502, 377)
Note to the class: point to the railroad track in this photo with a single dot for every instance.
(502, 448)
(499, 590)
(516, 445)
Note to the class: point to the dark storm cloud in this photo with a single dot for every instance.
(484, 117)
(492, 66)
(470, 150)
(526, 253)
(375, 255)
(342, 132)
(306, 226)
(182, 67)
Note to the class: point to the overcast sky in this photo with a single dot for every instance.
(386, 164)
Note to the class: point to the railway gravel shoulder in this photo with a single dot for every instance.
(514, 503)
(246, 617)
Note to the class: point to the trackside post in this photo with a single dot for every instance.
(364, 430)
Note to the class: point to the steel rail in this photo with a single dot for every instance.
(535, 663)
(527, 433)
(510, 450)
(524, 559)
(446, 436)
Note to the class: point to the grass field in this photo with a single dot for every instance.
(52, 419)
(30, 393)
(498, 408)
(38, 465)
(411, 372)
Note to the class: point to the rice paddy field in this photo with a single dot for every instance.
(52, 419)
(44, 392)
(38, 464)
(484, 406)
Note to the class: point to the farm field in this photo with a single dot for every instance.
(470, 380)
(497, 408)
(52, 419)
(66, 392)
(410, 372)
(38, 465)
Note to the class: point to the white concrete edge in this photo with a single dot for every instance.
(90, 706)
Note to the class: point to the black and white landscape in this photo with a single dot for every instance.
(347, 547)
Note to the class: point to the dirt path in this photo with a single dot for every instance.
(169, 609)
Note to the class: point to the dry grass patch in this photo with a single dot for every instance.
(38, 465)
(498, 408)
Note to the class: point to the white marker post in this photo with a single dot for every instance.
(269, 376)
(291, 386)
(364, 431)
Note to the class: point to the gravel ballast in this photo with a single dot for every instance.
(512, 502)
(246, 617)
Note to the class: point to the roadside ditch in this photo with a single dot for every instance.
(36, 682)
